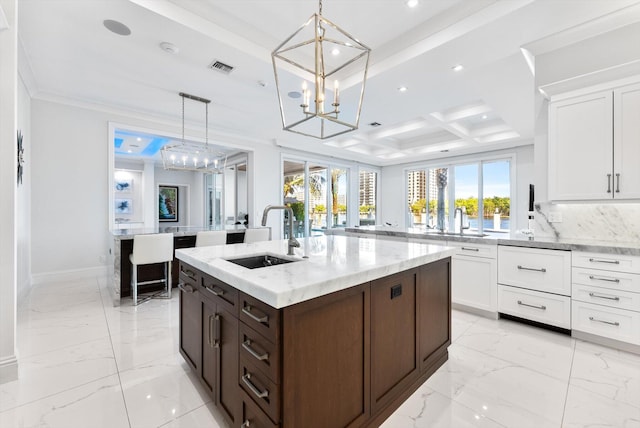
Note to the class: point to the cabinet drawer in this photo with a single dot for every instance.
(612, 262)
(613, 323)
(474, 250)
(188, 275)
(606, 297)
(607, 279)
(264, 354)
(536, 306)
(252, 416)
(225, 293)
(262, 390)
(261, 317)
(535, 269)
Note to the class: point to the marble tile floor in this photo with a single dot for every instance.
(85, 363)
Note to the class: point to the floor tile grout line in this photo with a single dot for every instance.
(566, 395)
(113, 352)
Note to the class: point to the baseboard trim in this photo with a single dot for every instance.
(8, 369)
(68, 275)
(480, 312)
(605, 341)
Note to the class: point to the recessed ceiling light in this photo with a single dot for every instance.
(294, 94)
(411, 3)
(484, 116)
(138, 139)
(129, 151)
(169, 47)
(458, 67)
(402, 89)
(335, 51)
(116, 27)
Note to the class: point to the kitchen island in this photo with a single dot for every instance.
(339, 336)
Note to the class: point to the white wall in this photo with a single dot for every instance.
(8, 209)
(393, 192)
(23, 203)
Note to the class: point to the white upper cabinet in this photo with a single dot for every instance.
(594, 146)
(626, 137)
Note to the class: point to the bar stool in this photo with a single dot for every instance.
(208, 238)
(256, 235)
(149, 249)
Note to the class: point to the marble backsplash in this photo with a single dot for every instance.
(608, 222)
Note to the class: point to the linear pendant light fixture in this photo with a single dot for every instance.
(189, 156)
(320, 73)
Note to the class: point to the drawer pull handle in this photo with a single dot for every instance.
(616, 323)
(191, 274)
(618, 182)
(600, 296)
(599, 278)
(470, 249)
(247, 381)
(543, 307)
(185, 287)
(210, 338)
(608, 183)
(613, 262)
(247, 346)
(218, 292)
(533, 269)
(247, 311)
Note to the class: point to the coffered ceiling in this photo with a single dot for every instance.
(70, 56)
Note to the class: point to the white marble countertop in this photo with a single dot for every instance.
(517, 240)
(332, 263)
(176, 230)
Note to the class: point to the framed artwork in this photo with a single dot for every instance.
(168, 203)
(124, 185)
(123, 206)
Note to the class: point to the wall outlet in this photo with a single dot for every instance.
(555, 217)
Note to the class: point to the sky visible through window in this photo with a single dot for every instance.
(495, 179)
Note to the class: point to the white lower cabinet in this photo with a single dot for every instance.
(546, 308)
(474, 277)
(611, 323)
(606, 296)
(535, 284)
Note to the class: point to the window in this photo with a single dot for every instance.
(471, 195)
(368, 184)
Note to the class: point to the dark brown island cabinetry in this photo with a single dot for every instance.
(346, 359)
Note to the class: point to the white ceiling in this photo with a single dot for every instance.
(72, 57)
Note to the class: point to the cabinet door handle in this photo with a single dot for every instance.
(543, 307)
(600, 296)
(613, 262)
(247, 346)
(617, 182)
(608, 183)
(533, 269)
(598, 278)
(247, 381)
(216, 329)
(185, 287)
(247, 311)
(470, 249)
(210, 335)
(218, 292)
(616, 323)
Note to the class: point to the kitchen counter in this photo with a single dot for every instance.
(270, 345)
(516, 240)
(120, 234)
(332, 263)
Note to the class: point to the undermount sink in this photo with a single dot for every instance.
(260, 261)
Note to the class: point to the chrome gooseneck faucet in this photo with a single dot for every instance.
(293, 242)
